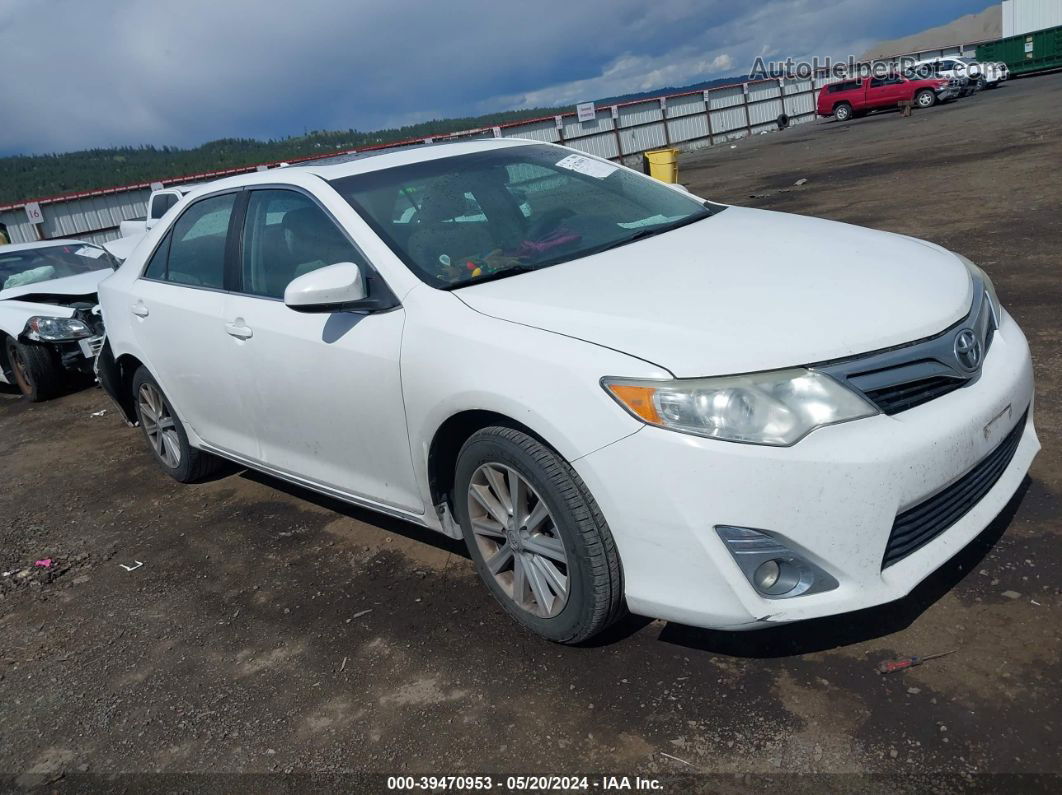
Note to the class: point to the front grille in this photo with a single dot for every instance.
(919, 525)
(900, 397)
(906, 376)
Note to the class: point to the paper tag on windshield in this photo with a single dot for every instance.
(584, 165)
(88, 251)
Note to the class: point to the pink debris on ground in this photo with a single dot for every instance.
(44, 564)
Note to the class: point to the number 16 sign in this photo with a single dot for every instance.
(34, 214)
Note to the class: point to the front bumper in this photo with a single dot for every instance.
(79, 355)
(832, 498)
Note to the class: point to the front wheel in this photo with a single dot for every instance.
(536, 536)
(36, 369)
(925, 99)
(166, 435)
(843, 112)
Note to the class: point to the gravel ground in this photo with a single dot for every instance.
(270, 629)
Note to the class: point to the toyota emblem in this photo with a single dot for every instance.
(968, 350)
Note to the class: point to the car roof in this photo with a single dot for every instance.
(330, 168)
(12, 247)
(388, 158)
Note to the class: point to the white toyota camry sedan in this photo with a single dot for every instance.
(620, 395)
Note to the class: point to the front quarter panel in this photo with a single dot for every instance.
(455, 359)
(14, 314)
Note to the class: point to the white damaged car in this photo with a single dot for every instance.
(50, 324)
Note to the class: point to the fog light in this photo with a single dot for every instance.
(773, 569)
(767, 575)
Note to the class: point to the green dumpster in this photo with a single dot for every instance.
(1026, 53)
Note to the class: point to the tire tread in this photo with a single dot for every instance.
(606, 575)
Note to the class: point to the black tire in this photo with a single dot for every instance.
(193, 464)
(925, 98)
(595, 580)
(843, 112)
(36, 369)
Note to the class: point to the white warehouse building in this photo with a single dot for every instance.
(1025, 16)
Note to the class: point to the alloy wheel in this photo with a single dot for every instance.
(159, 425)
(18, 366)
(518, 539)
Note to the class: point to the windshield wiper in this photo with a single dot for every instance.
(642, 234)
(490, 277)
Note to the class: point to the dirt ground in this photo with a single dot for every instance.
(270, 629)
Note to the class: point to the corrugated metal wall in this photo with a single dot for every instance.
(1025, 16)
(618, 132)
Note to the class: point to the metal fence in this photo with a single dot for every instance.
(621, 132)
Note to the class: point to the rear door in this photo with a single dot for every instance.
(324, 389)
(178, 305)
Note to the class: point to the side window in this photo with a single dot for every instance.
(197, 247)
(160, 204)
(157, 267)
(285, 236)
(877, 82)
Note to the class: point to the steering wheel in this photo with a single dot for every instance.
(547, 222)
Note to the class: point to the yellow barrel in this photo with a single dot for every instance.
(663, 164)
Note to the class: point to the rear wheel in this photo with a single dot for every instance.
(537, 536)
(843, 112)
(36, 369)
(166, 435)
(925, 98)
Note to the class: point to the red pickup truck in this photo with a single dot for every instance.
(848, 98)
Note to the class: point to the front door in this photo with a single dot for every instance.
(325, 388)
(885, 92)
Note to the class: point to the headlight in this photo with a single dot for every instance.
(990, 289)
(775, 408)
(55, 329)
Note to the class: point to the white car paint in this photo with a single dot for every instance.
(15, 312)
(349, 404)
(957, 67)
(607, 298)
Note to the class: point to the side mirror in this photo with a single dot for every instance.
(332, 288)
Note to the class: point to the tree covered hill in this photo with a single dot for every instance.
(29, 176)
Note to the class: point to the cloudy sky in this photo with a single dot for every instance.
(84, 73)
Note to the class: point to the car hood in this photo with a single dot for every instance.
(81, 284)
(741, 291)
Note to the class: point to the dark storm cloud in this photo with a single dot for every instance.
(79, 74)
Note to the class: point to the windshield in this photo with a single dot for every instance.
(460, 220)
(29, 266)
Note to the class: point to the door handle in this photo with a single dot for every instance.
(239, 329)
(139, 309)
